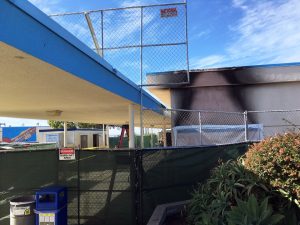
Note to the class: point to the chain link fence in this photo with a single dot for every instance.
(141, 42)
(275, 121)
(200, 128)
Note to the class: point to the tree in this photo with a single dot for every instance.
(72, 125)
(60, 124)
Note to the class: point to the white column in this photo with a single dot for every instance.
(65, 134)
(107, 136)
(164, 135)
(131, 125)
(151, 135)
(103, 135)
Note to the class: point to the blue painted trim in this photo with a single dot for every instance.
(250, 66)
(276, 65)
(69, 129)
(25, 27)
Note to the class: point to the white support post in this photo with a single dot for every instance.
(107, 136)
(151, 135)
(65, 133)
(164, 137)
(103, 135)
(131, 125)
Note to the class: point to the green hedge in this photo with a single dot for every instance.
(277, 161)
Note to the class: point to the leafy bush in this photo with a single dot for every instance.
(228, 191)
(229, 183)
(276, 160)
(251, 212)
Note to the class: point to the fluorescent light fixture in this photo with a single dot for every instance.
(54, 112)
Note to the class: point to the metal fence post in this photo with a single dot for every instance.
(200, 127)
(102, 33)
(93, 34)
(141, 219)
(187, 43)
(138, 186)
(141, 77)
(78, 187)
(246, 125)
(164, 132)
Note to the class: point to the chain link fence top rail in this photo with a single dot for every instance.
(141, 42)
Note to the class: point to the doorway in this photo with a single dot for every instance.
(95, 140)
(83, 141)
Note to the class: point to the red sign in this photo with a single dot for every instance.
(169, 12)
(67, 154)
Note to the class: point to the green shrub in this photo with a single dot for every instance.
(276, 160)
(229, 183)
(251, 212)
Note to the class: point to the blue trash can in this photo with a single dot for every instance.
(51, 206)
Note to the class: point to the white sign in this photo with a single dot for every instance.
(47, 219)
(67, 154)
(53, 138)
(21, 211)
(169, 12)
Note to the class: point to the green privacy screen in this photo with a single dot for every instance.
(115, 187)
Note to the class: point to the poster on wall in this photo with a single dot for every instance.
(67, 154)
(19, 134)
(52, 138)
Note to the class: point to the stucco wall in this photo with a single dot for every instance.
(73, 137)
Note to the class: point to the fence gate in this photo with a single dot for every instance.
(148, 44)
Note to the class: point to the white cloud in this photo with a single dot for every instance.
(129, 3)
(48, 7)
(209, 61)
(201, 34)
(239, 4)
(268, 32)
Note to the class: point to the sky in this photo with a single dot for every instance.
(221, 33)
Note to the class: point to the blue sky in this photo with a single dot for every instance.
(221, 32)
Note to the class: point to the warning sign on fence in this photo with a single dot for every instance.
(169, 12)
(66, 154)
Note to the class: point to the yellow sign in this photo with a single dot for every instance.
(47, 214)
(27, 212)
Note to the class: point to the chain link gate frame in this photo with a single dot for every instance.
(150, 32)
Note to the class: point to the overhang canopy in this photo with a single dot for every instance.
(46, 73)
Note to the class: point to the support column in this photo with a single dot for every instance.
(151, 135)
(131, 126)
(164, 137)
(103, 135)
(107, 136)
(65, 133)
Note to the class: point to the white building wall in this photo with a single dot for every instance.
(73, 137)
